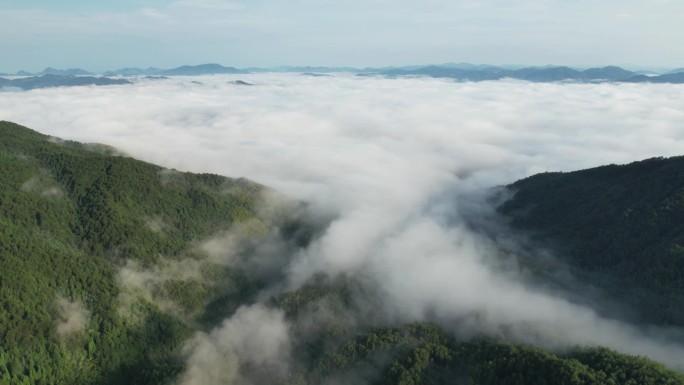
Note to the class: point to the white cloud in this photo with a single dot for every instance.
(254, 336)
(388, 155)
(73, 317)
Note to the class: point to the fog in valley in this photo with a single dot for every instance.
(396, 167)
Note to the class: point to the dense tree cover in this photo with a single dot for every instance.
(69, 215)
(73, 217)
(424, 354)
(622, 226)
(342, 350)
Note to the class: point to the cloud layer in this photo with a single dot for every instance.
(389, 157)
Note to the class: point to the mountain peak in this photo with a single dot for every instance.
(202, 69)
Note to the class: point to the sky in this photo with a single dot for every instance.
(107, 35)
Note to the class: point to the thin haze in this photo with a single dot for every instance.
(390, 157)
(167, 33)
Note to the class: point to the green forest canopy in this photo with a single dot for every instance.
(621, 227)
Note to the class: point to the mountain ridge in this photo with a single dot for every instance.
(626, 222)
(458, 71)
(51, 80)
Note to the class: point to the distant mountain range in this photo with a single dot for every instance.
(457, 71)
(54, 71)
(186, 70)
(133, 72)
(677, 77)
(537, 74)
(67, 72)
(305, 69)
(202, 69)
(48, 81)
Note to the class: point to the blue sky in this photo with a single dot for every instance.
(100, 35)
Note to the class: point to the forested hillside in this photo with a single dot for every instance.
(423, 353)
(70, 214)
(110, 265)
(620, 227)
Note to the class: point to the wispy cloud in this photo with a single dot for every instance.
(254, 336)
(73, 317)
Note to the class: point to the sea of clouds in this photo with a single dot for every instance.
(389, 157)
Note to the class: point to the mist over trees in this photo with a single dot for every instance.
(72, 214)
(119, 271)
